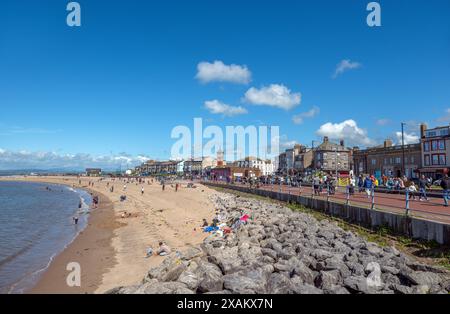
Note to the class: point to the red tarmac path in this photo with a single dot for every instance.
(433, 209)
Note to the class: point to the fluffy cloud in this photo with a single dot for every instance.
(274, 95)
(344, 66)
(299, 118)
(410, 138)
(217, 107)
(348, 131)
(220, 72)
(14, 160)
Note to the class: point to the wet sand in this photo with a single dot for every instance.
(112, 250)
(92, 249)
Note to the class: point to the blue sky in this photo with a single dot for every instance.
(117, 85)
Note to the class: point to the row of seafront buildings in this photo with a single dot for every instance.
(429, 157)
(208, 166)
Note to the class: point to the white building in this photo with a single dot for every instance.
(265, 166)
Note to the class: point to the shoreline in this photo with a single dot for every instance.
(91, 248)
(112, 250)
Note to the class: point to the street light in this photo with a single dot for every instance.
(403, 148)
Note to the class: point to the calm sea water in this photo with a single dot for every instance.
(35, 225)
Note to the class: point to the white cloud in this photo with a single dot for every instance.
(18, 130)
(446, 117)
(15, 160)
(217, 107)
(299, 118)
(348, 131)
(220, 72)
(274, 95)
(410, 138)
(383, 122)
(344, 66)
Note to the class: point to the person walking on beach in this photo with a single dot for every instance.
(142, 191)
(176, 187)
(163, 186)
(75, 220)
(445, 185)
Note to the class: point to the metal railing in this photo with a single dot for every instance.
(412, 203)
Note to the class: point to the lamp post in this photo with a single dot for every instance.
(403, 148)
(313, 157)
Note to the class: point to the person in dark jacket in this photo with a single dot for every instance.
(423, 185)
(360, 183)
(445, 184)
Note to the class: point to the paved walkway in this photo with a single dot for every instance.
(433, 209)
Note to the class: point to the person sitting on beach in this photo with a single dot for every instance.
(205, 223)
(163, 249)
(149, 252)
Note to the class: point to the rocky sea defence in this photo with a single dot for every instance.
(279, 251)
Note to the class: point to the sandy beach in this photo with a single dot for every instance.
(112, 250)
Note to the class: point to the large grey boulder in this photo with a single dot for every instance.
(279, 284)
(247, 282)
(210, 277)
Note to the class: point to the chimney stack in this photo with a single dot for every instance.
(342, 143)
(325, 139)
(388, 143)
(423, 128)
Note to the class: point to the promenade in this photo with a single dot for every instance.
(433, 209)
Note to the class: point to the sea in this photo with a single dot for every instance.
(36, 224)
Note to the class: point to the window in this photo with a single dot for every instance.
(427, 160)
(441, 145)
(385, 161)
(374, 162)
(442, 159)
(434, 145)
(426, 146)
(444, 132)
(431, 134)
(412, 159)
(435, 160)
(398, 160)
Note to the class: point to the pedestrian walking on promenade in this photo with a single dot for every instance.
(368, 184)
(423, 185)
(445, 184)
(360, 184)
(316, 183)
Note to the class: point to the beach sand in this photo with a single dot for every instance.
(112, 250)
